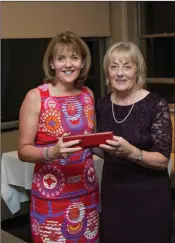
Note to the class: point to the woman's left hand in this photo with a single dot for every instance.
(118, 146)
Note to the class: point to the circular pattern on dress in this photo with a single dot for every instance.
(75, 212)
(72, 110)
(89, 176)
(92, 225)
(73, 230)
(50, 181)
(50, 122)
(35, 226)
(51, 232)
(49, 103)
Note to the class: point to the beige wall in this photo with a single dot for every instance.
(45, 19)
(117, 20)
(132, 21)
(9, 141)
(123, 21)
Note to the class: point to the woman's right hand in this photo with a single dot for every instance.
(63, 150)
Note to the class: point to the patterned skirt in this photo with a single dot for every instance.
(73, 220)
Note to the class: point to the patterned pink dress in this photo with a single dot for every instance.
(65, 194)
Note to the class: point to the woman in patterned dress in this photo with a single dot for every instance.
(135, 192)
(65, 195)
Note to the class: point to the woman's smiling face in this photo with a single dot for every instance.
(122, 73)
(67, 65)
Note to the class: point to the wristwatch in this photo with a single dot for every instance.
(140, 156)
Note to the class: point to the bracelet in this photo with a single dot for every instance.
(45, 154)
(139, 157)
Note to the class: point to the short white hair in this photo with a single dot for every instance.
(131, 52)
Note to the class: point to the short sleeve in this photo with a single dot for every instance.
(161, 130)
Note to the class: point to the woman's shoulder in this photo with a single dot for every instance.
(154, 103)
(86, 89)
(33, 94)
(155, 98)
(31, 102)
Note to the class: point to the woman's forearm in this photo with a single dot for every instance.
(154, 160)
(30, 153)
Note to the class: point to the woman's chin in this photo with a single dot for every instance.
(120, 89)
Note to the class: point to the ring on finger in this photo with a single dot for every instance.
(112, 152)
(66, 155)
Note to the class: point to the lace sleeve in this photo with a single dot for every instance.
(161, 130)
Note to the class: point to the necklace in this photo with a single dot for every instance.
(128, 112)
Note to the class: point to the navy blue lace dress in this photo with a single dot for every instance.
(136, 201)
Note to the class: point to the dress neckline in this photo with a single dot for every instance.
(65, 96)
(130, 104)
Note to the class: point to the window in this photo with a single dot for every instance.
(156, 33)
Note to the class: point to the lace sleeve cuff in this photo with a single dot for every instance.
(161, 130)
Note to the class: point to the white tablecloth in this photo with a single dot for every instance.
(16, 177)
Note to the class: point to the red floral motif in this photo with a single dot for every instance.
(74, 213)
(71, 109)
(74, 228)
(89, 176)
(93, 225)
(89, 111)
(50, 180)
(50, 122)
(53, 236)
(75, 122)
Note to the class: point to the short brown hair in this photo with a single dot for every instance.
(130, 51)
(76, 44)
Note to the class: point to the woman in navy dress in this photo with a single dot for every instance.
(135, 198)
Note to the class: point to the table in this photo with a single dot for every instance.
(16, 178)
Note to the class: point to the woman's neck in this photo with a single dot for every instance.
(125, 98)
(58, 89)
